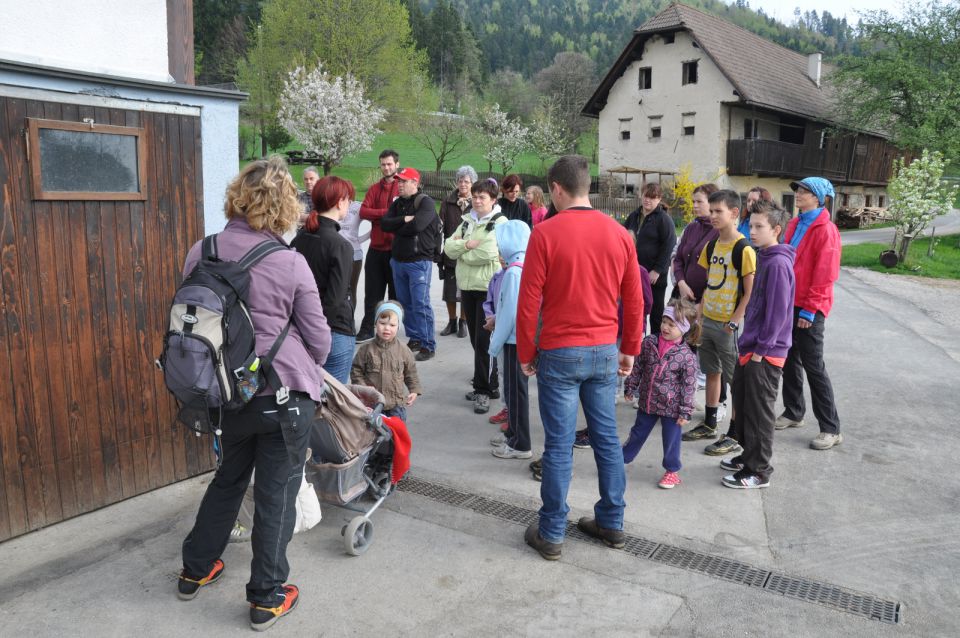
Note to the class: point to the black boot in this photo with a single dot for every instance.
(462, 330)
(450, 329)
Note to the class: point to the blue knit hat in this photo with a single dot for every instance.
(819, 186)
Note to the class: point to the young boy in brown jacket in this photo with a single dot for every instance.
(388, 365)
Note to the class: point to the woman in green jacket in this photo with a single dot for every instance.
(474, 246)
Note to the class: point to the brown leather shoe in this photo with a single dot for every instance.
(614, 538)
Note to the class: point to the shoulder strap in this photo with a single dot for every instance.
(208, 250)
(260, 251)
(711, 246)
(493, 221)
(737, 256)
(417, 199)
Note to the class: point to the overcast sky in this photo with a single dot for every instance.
(783, 9)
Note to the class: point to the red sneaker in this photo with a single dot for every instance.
(499, 417)
(263, 617)
(188, 587)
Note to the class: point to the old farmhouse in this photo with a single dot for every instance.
(742, 111)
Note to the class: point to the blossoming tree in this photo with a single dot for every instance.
(917, 195)
(328, 115)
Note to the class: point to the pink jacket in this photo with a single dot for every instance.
(666, 386)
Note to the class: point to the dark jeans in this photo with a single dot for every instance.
(397, 410)
(670, 433)
(254, 437)
(659, 294)
(806, 355)
(377, 280)
(754, 401)
(485, 380)
(354, 281)
(515, 392)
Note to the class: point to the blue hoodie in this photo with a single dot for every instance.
(512, 238)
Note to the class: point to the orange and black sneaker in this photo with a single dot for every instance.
(263, 617)
(187, 586)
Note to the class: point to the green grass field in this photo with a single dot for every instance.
(945, 263)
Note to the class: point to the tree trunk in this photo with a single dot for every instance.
(904, 248)
(263, 138)
(326, 167)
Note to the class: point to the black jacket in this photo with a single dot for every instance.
(516, 210)
(330, 258)
(417, 240)
(656, 237)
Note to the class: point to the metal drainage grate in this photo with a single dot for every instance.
(864, 605)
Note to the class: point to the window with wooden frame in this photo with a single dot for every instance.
(690, 72)
(646, 77)
(86, 161)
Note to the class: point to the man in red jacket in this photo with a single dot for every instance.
(377, 274)
(817, 266)
(579, 263)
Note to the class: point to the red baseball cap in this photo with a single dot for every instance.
(407, 174)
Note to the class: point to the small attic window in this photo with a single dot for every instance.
(669, 38)
(646, 78)
(690, 72)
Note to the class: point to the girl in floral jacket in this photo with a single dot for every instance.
(664, 379)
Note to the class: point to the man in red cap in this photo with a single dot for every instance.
(417, 238)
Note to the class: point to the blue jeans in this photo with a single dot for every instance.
(412, 280)
(670, 433)
(565, 375)
(341, 356)
(397, 410)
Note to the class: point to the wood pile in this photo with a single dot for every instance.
(861, 217)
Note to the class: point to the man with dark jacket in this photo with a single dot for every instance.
(413, 220)
(377, 277)
(656, 236)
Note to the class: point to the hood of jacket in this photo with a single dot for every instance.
(512, 238)
(473, 217)
(779, 251)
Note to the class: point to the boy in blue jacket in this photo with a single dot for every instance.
(512, 238)
(763, 347)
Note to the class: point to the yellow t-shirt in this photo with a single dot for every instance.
(720, 296)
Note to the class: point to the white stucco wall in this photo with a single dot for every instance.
(669, 98)
(219, 122)
(109, 37)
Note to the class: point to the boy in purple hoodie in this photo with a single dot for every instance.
(763, 346)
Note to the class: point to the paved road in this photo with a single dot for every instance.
(877, 515)
(944, 225)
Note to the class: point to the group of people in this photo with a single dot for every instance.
(743, 313)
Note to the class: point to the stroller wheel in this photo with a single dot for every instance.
(357, 535)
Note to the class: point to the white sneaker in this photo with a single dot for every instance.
(721, 412)
(498, 440)
(507, 452)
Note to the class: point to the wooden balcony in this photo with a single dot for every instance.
(850, 159)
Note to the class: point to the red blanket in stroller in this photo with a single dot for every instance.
(401, 447)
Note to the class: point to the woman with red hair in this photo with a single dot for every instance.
(330, 258)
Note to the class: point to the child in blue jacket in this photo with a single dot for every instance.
(512, 238)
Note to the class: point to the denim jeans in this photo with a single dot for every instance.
(397, 410)
(565, 375)
(341, 356)
(412, 280)
(251, 437)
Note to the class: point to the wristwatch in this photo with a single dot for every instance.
(733, 325)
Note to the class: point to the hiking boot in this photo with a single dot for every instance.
(724, 446)
(582, 439)
(614, 538)
(481, 404)
(462, 329)
(507, 452)
(733, 464)
(499, 417)
(473, 394)
(425, 355)
(782, 423)
(744, 481)
(669, 481)
(826, 440)
(187, 586)
(240, 533)
(263, 617)
(414, 345)
(702, 431)
(550, 551)
(450, 329)
(498, 440)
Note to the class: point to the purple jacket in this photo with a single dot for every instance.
(280, 286)
(685, 267)
(493, 293)
(768, 322)
(666, 386)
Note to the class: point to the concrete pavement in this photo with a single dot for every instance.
(876, 515)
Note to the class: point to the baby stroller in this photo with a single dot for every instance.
(352, 456)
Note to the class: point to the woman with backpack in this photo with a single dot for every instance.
(273, 427)
(330, 258)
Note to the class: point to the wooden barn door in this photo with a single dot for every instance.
(85, 420)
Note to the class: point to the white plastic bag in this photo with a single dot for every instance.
(308, 507)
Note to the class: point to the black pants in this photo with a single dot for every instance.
(377, 280)
(806, 355)
(253, 437)
(354, 281)
(754, 401)
(515, 393)
(485, 380)
(656, 313)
